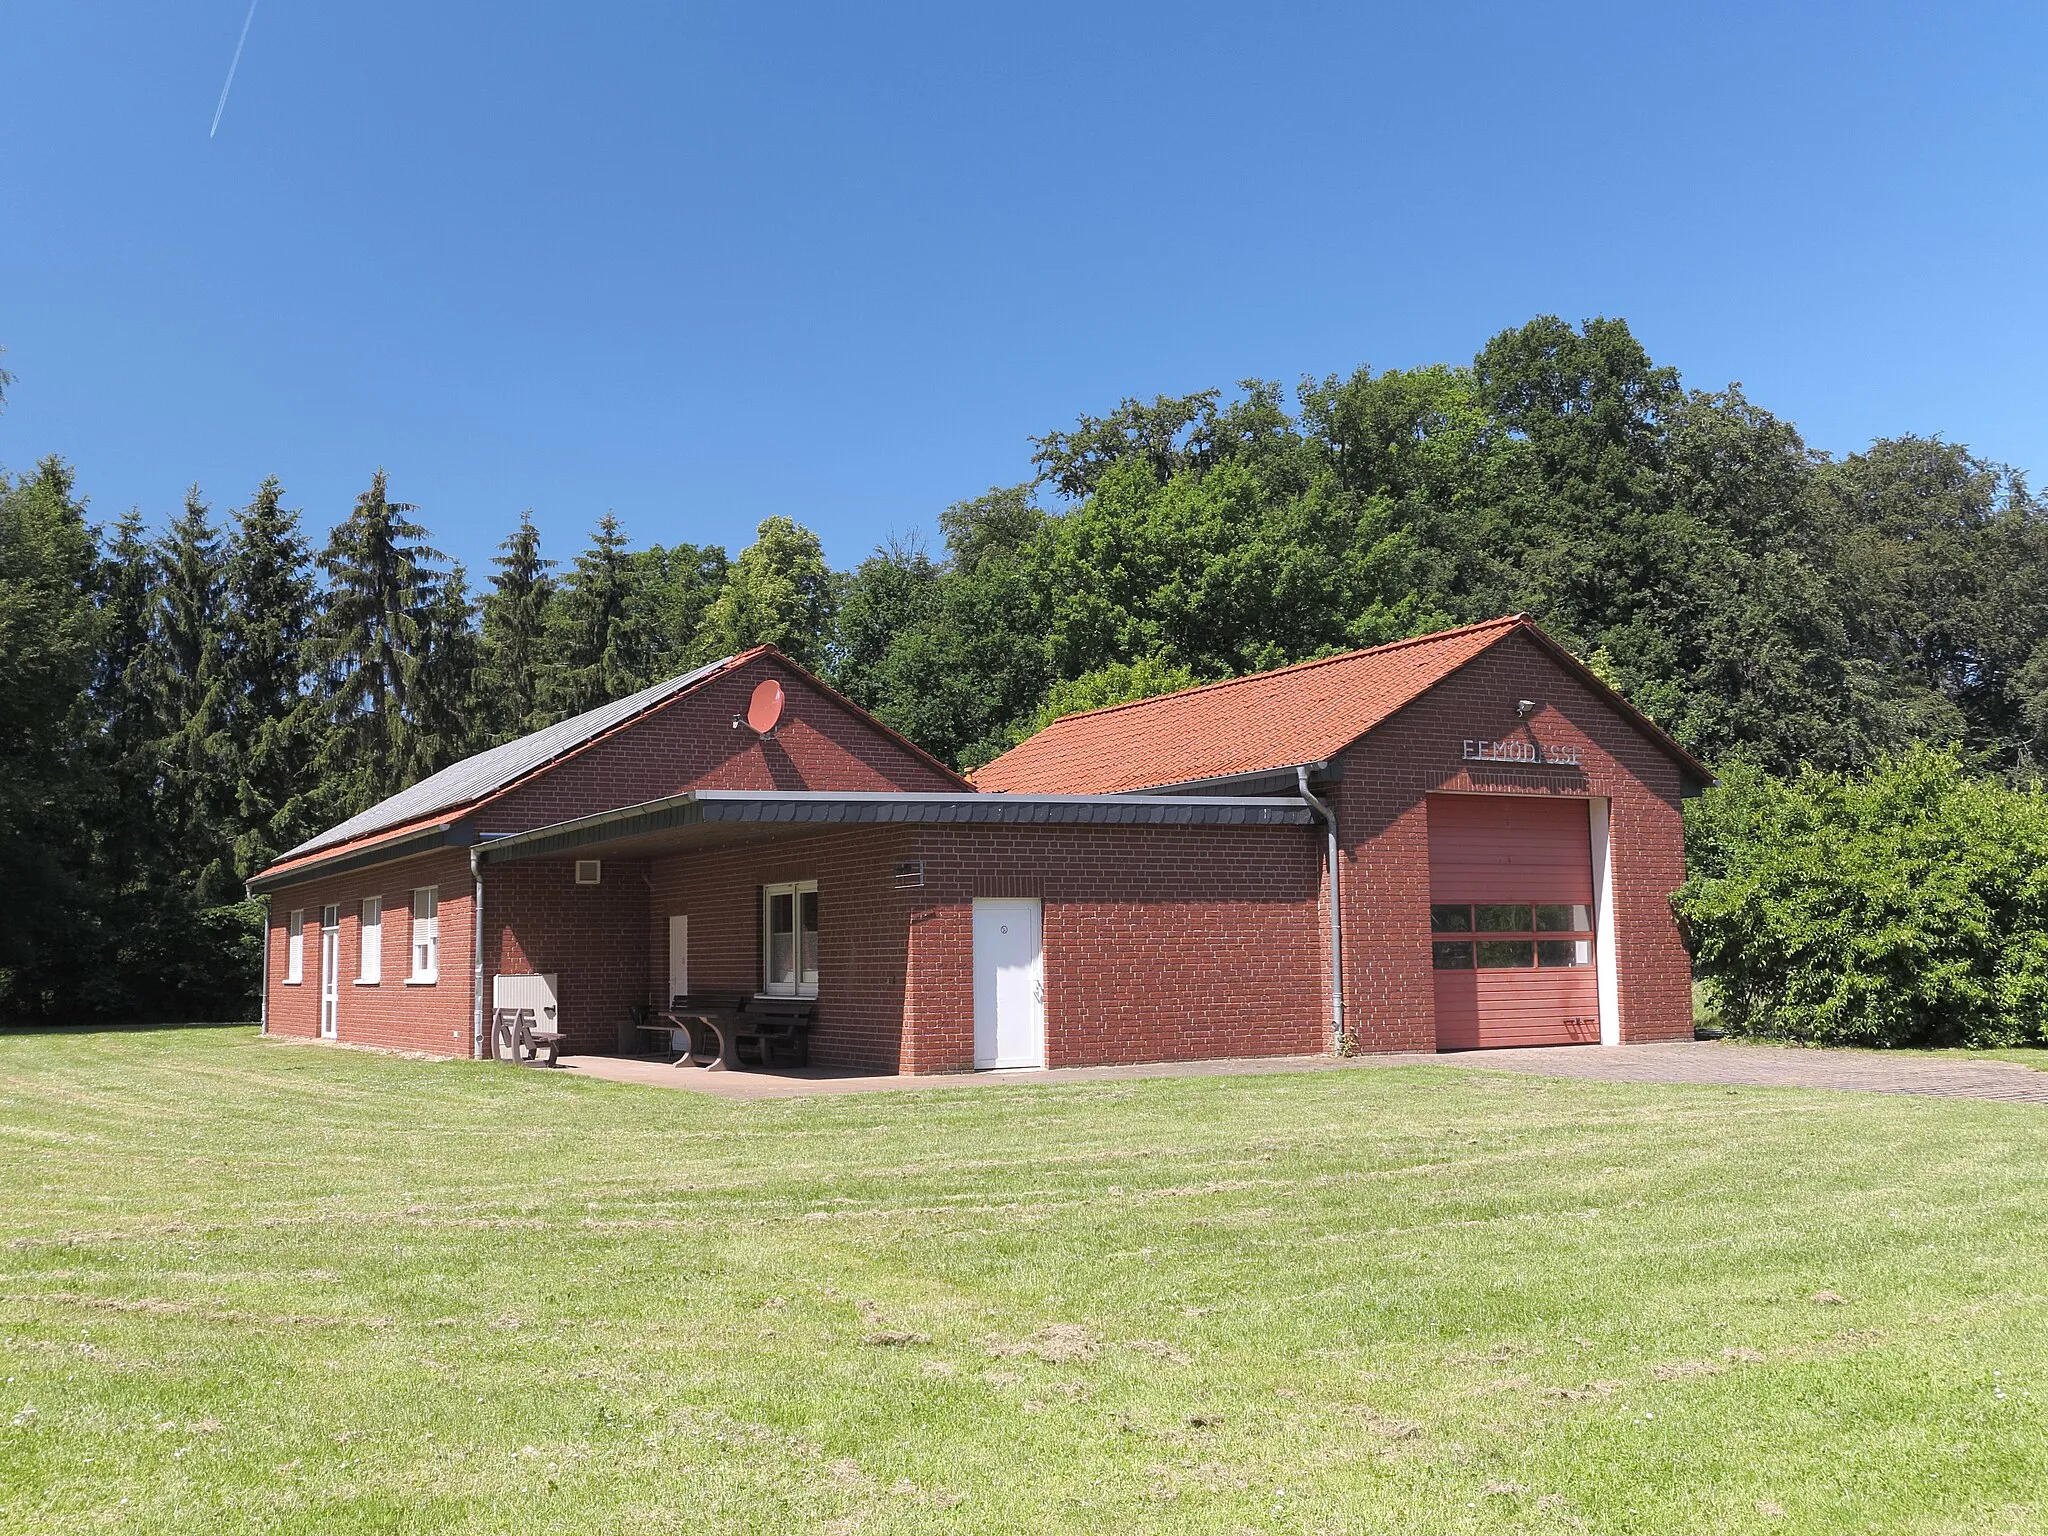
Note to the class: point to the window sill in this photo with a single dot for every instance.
(422, 981)
(293, 981)
(359, 982)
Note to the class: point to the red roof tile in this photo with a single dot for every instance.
(1305, 713)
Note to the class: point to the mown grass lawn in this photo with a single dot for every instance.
(252, 1286)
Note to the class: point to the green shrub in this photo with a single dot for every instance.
(1908, 906)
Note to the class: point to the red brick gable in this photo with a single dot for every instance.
(1306, 713)
(824, 741)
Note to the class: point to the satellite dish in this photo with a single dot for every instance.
(764, 709)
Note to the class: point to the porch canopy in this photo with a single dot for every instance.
(703, 818)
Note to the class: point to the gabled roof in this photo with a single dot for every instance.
(1303, 714)
(461, 785)
(431, 813)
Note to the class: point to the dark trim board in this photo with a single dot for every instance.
(793, 810)
(457, 834)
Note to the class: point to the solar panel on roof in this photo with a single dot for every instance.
(474, 777)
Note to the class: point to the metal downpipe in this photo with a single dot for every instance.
(1329, 819)
(476, 954)
(263, 984)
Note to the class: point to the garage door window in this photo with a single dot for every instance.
(1508, 936)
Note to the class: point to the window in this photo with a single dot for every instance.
(426, 934)
(370, 964)
(295, 949)
(789, 939)
(1509, 936)
(1503, 919)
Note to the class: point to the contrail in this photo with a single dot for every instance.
(231, 70)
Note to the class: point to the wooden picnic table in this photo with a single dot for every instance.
(771, 1025)
(723, 1024)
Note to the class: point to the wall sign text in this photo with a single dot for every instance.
(1521, 752)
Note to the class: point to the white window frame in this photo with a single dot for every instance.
(295, 948)
(426, 936)
(370, 942)
(800, 983)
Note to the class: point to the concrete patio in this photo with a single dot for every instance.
(1706, 1062)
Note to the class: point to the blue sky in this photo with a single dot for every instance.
(701, 264)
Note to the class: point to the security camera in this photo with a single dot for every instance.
(1525, 708)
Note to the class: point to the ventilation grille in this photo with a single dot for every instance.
(589, 871)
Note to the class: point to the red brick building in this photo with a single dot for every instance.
(1140, 883)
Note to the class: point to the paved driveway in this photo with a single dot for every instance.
(1686, 1062)
(1770, 1066)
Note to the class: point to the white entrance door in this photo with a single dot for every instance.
(678, 956)
(330, 970)
(1009, 983)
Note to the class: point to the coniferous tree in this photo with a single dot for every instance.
(198, 773)
(599, 640)
(49, 639)
(442, 714)
(381, 584)
(267, 623)
(127, 704)
(514, 647)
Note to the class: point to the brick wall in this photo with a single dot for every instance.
(690, 743)
(1383, 821)
(432, 1018)
(537, 919)
(1161, 944)
(863, 922)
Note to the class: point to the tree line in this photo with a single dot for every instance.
(178, 708)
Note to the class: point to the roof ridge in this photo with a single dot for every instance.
(1505, 621)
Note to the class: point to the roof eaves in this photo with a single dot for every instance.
(1215, 783)
(404, 842)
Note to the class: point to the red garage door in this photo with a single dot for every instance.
(1511, 921)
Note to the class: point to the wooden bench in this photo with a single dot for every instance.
(778, 1026)
(516, 1037)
